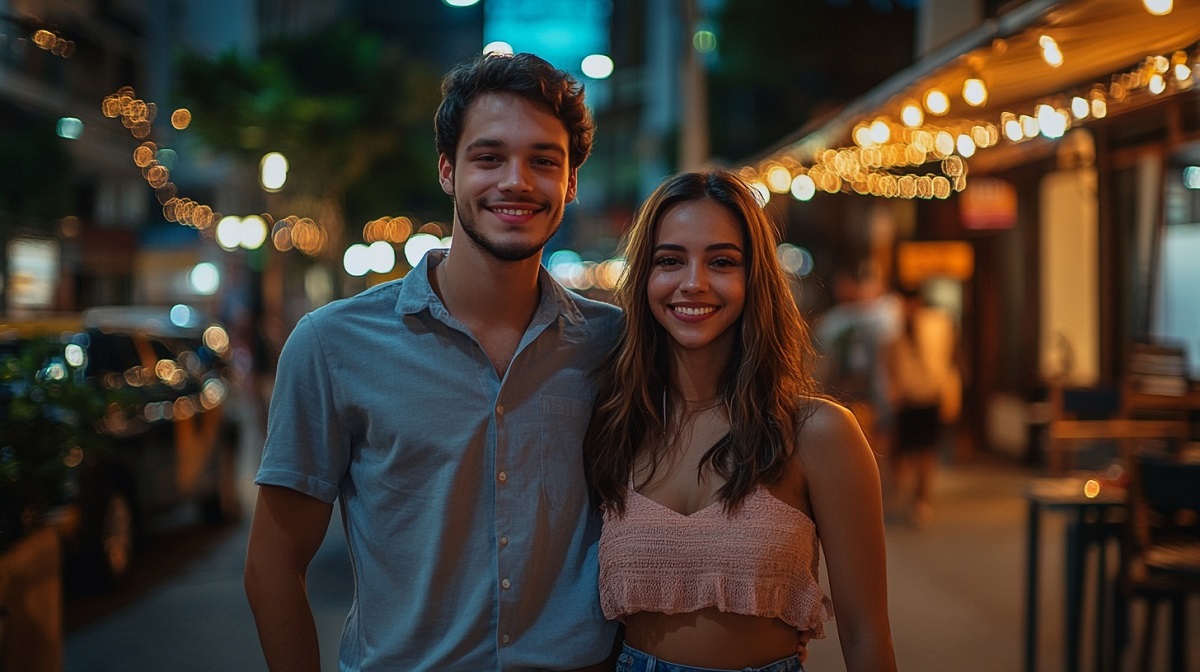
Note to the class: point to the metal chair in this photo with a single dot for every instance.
(1161, 553)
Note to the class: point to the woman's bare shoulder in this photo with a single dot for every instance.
(827, 420)
(828, 427)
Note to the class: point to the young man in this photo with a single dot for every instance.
(446, 411)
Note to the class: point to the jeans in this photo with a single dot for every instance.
(632, 660)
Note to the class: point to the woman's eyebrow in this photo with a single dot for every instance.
(674, 247)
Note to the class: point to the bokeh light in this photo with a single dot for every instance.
(273, 171)
(803, 188)
(356, 260)
(704, 41)
(418, 245)
(204, 278)
(70, 128)
(498, 47)
(794, 259)
(181, 118)
(597, 66)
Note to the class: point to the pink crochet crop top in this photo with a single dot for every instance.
(761, 561)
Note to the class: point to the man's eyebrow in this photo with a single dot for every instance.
(672, 247)
(492, 143)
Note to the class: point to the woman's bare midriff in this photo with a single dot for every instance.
(710, 638)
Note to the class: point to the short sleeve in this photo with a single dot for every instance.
(307, 447)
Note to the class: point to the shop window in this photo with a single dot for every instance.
(1176, 311)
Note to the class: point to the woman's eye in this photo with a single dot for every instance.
(666, 261)
(725, 262)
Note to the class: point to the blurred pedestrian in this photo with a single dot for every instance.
(716, 463)
(852, 337)
(926, 393)
(446, 412)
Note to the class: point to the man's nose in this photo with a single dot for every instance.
(515, 177)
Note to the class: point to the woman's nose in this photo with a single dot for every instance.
(695, 278)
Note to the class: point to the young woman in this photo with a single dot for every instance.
(716, 463)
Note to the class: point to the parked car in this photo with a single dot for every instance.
(165, 438)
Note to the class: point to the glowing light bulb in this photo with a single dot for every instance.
(1158, 7)
(965, 146)
(912, 115)
(975, 92)
(1013, 130)
(1051, 122)
(862, 136)
(936, 102)
(1157, 84)
(803, 188)
(1079, 107)
(1051, 54)
(1029, 126)
(881, 132)
(779, 180)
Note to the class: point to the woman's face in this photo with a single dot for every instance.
(697, 285)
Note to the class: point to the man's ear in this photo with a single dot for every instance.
(446, 174)
(572, 185)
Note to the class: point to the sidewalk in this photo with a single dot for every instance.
(957, 587)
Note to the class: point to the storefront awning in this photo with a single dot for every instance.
(1046, 66)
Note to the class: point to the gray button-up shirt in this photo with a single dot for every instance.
(462, 493)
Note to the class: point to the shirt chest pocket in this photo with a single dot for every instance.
(563, 423)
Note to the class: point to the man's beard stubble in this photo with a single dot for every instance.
(511, 252)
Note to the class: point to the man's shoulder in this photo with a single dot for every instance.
(370, 305)
(603, 319)
(594, 307)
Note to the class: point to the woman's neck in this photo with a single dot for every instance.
(696, 375)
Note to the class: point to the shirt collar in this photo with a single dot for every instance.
(416, 294)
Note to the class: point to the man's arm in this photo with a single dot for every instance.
(286, 531)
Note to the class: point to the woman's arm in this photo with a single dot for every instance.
(844, 491)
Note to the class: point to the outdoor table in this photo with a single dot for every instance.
(1088, 523)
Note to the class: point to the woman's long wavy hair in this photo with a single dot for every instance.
(764, 386)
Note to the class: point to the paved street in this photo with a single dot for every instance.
(184, 609)
(956, 592)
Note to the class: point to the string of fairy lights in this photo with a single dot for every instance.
(915, 158)
(304, 234)
(301, 233)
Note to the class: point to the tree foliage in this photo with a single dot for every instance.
(340, 103)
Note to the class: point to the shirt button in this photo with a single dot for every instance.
(506, 584)
(502, 476)
(504, 638)
(504, 541)
(499, 409)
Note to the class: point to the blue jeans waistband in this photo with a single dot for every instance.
(633, 660)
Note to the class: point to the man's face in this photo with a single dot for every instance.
(510, 177)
